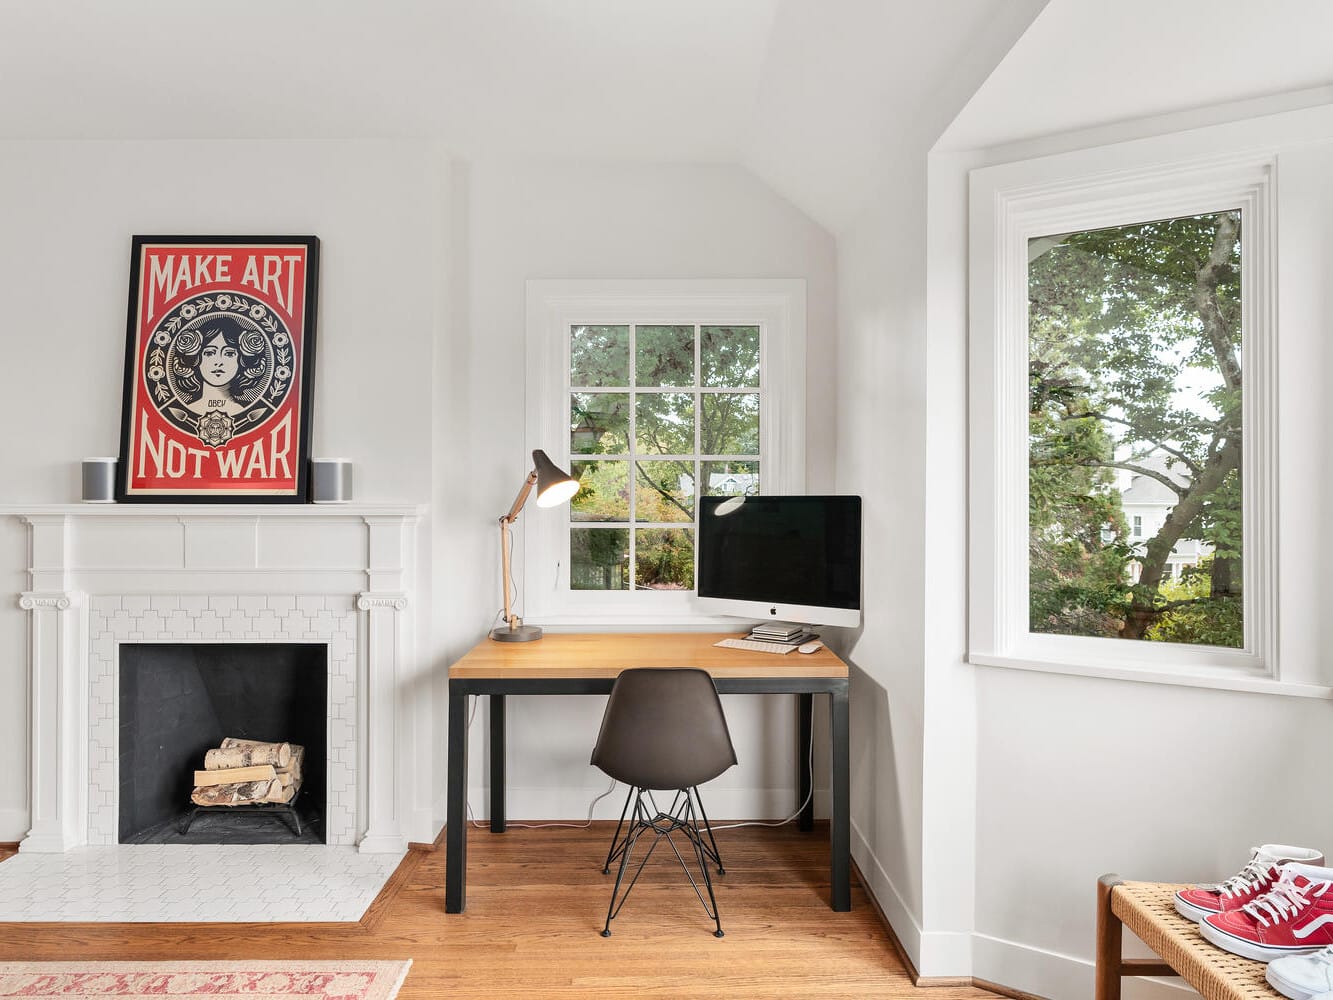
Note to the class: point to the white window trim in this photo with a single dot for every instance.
(776, 305)
(1077, 192)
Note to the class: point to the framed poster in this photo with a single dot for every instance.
(219, 367)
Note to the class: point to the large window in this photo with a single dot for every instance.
(1123, 416)
(655, 393)
(1135, 378)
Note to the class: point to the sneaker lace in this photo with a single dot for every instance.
(1283, 901)
(1250, 878)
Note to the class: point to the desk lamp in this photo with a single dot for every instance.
(553, 487)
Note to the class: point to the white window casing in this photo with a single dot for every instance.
(776, 306)
(1080, 192)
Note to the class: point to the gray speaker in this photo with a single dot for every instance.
(330, 480)
(99, 480)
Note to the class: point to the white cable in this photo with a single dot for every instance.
(573, 826)
(799, 809)
(533, 826)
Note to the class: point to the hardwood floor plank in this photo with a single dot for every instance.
(536, 904)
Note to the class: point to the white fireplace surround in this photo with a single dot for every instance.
(103, 575)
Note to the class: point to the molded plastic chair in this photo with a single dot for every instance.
(663, 730)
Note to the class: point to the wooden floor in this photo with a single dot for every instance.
(536, 903)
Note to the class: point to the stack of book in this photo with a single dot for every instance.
(784, 632)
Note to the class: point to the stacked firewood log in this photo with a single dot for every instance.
(248, 772)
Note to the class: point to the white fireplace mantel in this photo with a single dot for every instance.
(92, 567)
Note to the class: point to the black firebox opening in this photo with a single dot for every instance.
(179, 700)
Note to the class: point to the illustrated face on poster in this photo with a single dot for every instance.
(218, 369)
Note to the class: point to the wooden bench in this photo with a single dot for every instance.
(1148, 909)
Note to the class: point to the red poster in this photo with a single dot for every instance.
(219, 363)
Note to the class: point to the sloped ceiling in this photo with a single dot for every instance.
(813, 95)
(849, 85)
(1085, 63)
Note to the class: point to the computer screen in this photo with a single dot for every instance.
(788, 557)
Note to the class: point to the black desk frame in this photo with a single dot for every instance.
(456, 823)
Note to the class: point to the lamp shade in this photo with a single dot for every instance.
(554, 485)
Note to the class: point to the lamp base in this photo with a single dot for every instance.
(520, 633)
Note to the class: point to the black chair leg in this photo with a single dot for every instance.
(617, 845)
(638, 825)
(712, 850)
(701, 853)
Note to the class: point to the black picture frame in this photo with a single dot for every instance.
(219, 369)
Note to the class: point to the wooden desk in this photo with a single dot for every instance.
(588, 663)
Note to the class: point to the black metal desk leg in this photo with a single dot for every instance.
(805, 801)
(455, 831)
(840, 825)
(497, 763)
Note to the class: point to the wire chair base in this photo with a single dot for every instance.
(683, 818)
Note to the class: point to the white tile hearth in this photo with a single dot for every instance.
(179, 883)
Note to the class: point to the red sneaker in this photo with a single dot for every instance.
(1295, 917)
(1255, 879)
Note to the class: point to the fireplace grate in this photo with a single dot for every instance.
(286, 809)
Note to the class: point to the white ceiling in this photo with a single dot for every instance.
(808, 93)
(593, 78)
(1084, 63)
(815, 96)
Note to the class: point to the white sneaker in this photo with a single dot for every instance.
(1303, 977)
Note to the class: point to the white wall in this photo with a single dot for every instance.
(881, 421)
(418, 370)
(1078, 776)
(69, 210)
(911, 706)
(511, 221)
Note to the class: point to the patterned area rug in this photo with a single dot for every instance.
(216, 980)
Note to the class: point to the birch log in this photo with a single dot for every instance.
(277, 754)
(242, 794)
(235, 775)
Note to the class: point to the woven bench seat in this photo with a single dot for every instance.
(1148, 909)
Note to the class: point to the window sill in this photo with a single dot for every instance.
(1219, 678)
(637, 621)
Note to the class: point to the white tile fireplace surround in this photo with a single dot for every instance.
(100, 576)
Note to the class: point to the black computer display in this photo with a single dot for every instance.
(781, 550)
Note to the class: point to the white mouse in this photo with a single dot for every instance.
(810, 647)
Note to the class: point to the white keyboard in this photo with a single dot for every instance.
(758, 645)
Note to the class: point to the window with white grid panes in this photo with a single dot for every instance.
(659, 414)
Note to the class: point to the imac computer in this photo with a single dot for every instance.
(793, 559)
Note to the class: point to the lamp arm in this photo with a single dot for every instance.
(509, 618)
(521, 499)
(506, 543)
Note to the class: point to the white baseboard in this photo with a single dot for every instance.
(382, 845)
(895, 908)
(1055, 975)
(946, 954)
(961, 954)
(14, 825)
(418, 826)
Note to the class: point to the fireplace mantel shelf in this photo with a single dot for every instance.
(206, 510)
